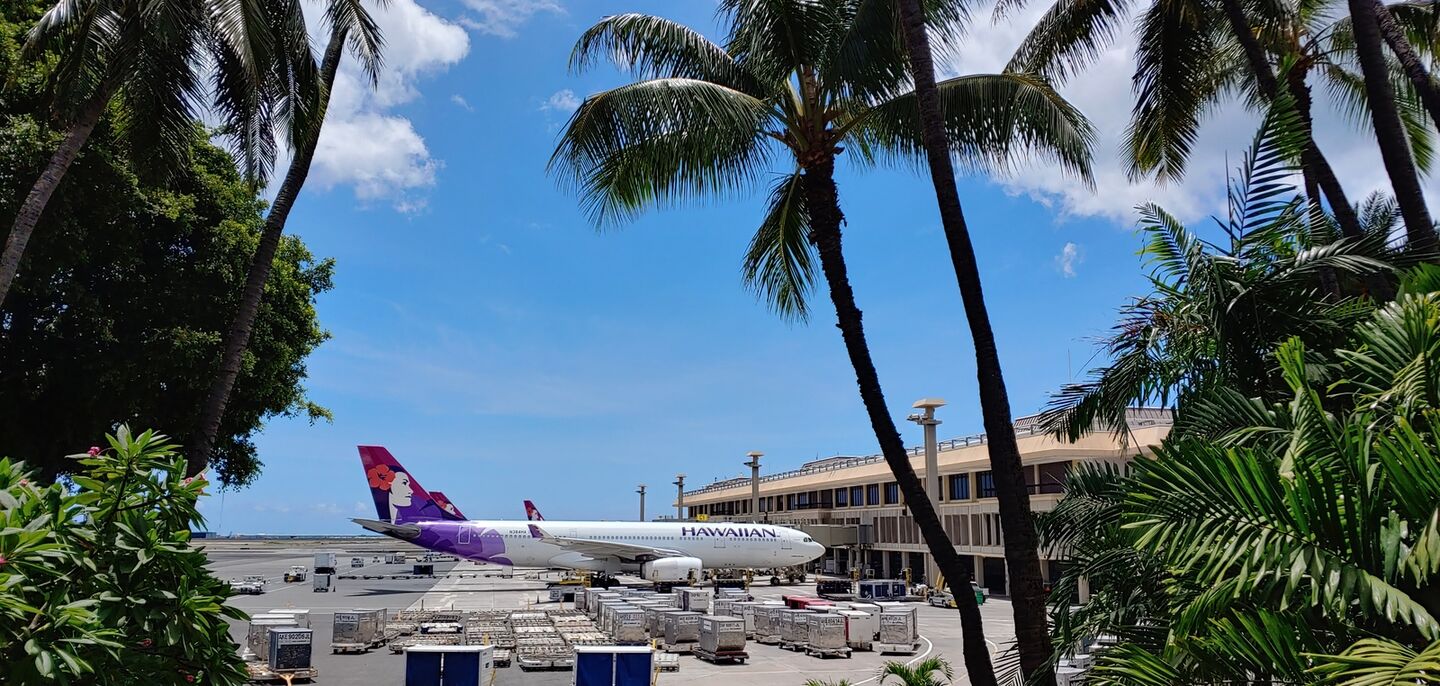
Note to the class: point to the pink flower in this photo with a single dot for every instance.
(24, 482)
(146, 643)
(3, 560)
(186, 481)
(94, 450)
(190, 678)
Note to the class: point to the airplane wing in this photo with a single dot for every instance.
(404, 532)
(601, 549)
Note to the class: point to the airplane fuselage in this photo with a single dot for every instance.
(717, 546)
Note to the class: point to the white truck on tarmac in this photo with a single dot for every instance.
(324, 563)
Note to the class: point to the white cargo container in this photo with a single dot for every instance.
(899, 631)
(825, 635)
(324, 563)
(860, 628)
(302, 617)
(321, 583)
(656, 623)
(628, 627)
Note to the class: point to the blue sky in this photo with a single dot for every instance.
(503, 349)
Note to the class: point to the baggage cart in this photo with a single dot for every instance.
(899, 632)
(682, 631)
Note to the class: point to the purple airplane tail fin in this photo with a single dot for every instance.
(447, 507)
(532, 513)
(399, 498)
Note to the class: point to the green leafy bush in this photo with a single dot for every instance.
(98, 581)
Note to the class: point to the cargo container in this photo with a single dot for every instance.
(825, 635)
(357, 630)
(324, 563)
(628, 627)
(682, 630)
(793, 633)
(257, 638)
(899, 631)
(881, 589)
(613, 665)
(860, 628)
(723, 606)
(302, 617)
(722, 639)
(768, 623)
(321, 583)
(745, 610)
(834, 589)
(289, 649)
(695, 599)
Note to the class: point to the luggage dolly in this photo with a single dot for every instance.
(733, 656)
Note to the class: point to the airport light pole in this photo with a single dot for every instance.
(641, 491)
(680, 497)
(927, 420)
(754, 465)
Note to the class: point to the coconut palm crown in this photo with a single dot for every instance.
(795, 84)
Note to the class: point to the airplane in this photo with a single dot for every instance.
(447, 506)
(663, 552)
(532, 513)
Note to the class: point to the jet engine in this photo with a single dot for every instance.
(668, 569)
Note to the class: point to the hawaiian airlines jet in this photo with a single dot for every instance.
(444, 502)
(658, 551)
(532, 513)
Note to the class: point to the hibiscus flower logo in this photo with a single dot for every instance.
(380, 477)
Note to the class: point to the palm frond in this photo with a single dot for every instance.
(650, 47)
(1068, 37)
(1176, 79)
(1379, 662)
(992, 122)
(780, 262)
(366, 39)
(660, 142)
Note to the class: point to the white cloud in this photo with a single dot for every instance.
(381, 156)
(1103, 92)
(1068, 259)
(503, 18)
(563, 101)
(363, 143)
(461, 102)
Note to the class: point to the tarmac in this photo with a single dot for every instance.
(485, 586)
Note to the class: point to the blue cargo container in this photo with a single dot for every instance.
(613, 665)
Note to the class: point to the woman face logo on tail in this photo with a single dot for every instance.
(400, 493)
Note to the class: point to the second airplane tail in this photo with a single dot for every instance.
(532, 513)
(399, 498)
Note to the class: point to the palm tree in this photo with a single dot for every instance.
(1192, 53)
(932, 671)
(806, 82)
(1022, 554)
(1219, 309)
(1397, 35)
(350, 23)
(149, 56)
(1389, 129)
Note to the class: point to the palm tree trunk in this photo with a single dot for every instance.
(238, 336)
(823, 201)
(34, 206)
(1022, 554)
(1311, 159)
(1389, 132)
(1411, 62)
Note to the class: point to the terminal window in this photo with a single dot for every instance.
(959, 486)
(892, 493)
(872, 494)
(985, 483)
(840, 497)
(857, 496)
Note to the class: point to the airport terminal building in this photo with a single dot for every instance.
(852, 505)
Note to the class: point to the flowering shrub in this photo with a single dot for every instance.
(98, 581)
